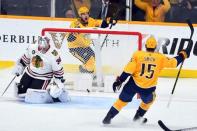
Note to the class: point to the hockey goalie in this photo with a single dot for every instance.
(39, 66)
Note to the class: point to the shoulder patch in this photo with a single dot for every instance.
(54, 52)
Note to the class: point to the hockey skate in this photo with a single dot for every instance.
(139, 119)
(107, 119)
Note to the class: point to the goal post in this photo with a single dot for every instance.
(122, 43)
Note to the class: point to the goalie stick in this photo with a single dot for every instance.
(165, 128)
(8, 85)
(189, 48)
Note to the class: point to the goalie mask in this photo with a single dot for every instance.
(43, 44)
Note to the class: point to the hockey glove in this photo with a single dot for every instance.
(18, 69)
(57, 88)
(59, 82)
(117, 84)
(113, 21)
(185, 53)
(104, 24)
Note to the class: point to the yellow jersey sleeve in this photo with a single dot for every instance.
(166, 5)
(169, 62)
(93, 23)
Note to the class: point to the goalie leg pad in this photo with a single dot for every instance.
(64, 96)
(36, 96)
(58, 94)
(55, 91)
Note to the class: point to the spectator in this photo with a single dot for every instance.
(194, 10)
(68, 8)
(69, 13)
(2, 8)
(155, 11)
(117, 5)
(137, 13)
(185, 9)
(180, 6)
(61, 7)
(173, 14)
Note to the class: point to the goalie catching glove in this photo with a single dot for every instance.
(117, 84)
(57, 88)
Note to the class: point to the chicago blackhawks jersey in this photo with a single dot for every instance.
(76, 40)
(42, 66)
(145, 67)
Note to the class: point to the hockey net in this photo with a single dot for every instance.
(113, 50)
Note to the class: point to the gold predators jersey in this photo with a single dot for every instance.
(145, 67)
(78, 39)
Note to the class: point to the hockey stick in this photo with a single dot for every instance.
(115, 17)
(8, 85)
(189, 47)
(165, 128)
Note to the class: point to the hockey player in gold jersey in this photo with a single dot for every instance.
(143, 70)
(79, 44)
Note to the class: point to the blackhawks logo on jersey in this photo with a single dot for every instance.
(37, 61)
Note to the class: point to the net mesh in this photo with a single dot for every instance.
(110, 49)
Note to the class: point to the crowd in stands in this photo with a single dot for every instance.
(142, 10)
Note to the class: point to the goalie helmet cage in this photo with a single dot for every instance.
(118, 39)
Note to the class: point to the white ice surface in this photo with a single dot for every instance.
(86, 111)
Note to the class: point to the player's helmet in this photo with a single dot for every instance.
(82, 10)
(43, 44)
(151, 43)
